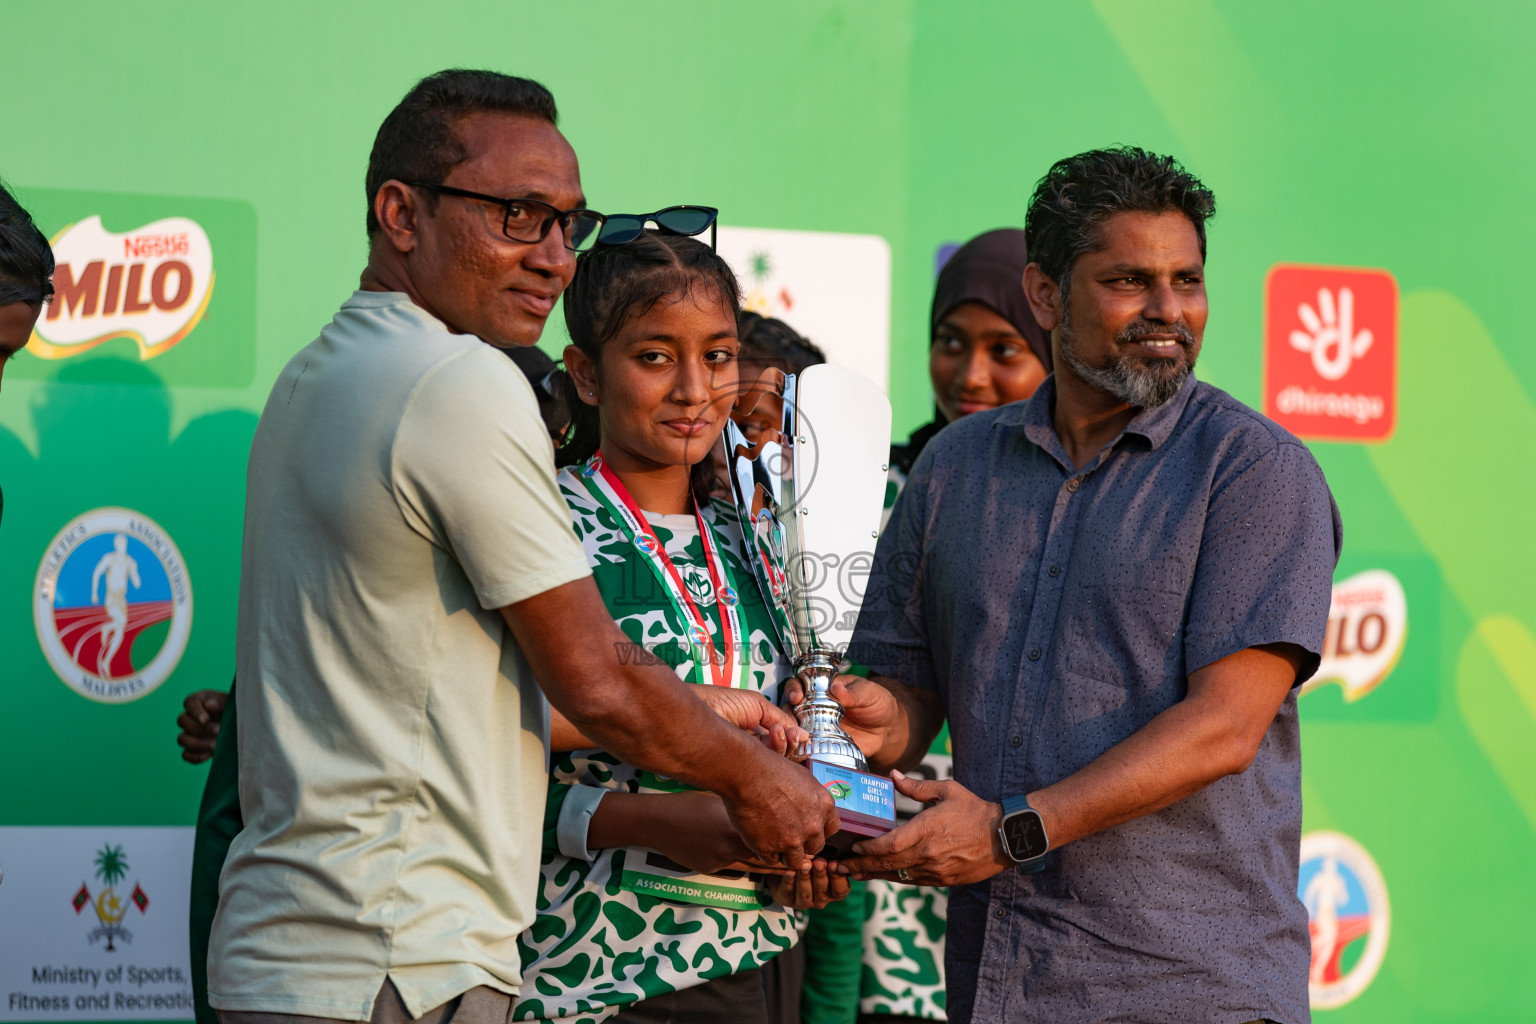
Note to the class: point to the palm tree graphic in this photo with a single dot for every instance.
(762, 265)
(111, 868)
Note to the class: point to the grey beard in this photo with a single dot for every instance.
(1147, 386)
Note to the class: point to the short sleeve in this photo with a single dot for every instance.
(891, 638)
(1265, 570)
(473, 472)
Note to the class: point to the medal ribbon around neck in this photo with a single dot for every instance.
(610, 492)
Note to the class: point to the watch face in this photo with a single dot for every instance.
(1025, 834)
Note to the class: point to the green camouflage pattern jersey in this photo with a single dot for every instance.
(904, 929)
(601, 940)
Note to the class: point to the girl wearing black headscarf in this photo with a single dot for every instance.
(985, 348)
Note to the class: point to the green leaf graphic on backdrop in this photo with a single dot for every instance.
(1451, 503)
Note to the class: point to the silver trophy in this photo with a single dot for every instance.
(810, 495)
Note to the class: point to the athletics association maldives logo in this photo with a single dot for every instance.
(1348, 916)
(1330, 352)
(151, 284)
(111, 908)
(1367, 630)
(112, 605)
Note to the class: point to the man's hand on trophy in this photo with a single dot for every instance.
(812, 887)
(870, 711)
(953, 841)
(751, 711)
(782, 812)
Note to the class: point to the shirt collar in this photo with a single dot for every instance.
(1034, 415)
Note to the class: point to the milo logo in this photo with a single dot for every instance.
(151, 284)
(1367, 630)
(164, 280)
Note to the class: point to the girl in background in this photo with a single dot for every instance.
(985, 351)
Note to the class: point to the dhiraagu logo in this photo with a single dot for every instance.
(165, 281)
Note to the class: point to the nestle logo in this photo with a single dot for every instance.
(1330, 352)
(139, 247)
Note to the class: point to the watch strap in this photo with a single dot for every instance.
(1015, 803)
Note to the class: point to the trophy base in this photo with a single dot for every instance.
(866, 804)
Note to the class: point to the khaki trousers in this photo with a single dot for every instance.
(480, 1005)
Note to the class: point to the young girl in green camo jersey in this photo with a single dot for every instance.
(985, 350)
(649, 907)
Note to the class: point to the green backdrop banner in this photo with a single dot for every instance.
(200, 168)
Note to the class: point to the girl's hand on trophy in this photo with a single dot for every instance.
(784, 740)
(745, 709)
(695, 831)
(812, 887)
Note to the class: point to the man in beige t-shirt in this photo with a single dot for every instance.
(408, 569)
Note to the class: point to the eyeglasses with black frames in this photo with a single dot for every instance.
(529, 220)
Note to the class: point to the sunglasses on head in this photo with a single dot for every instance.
(619, 228)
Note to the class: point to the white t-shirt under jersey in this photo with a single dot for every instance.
(393, 743)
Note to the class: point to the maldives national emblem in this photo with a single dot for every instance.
(111, 868)
(112, 605)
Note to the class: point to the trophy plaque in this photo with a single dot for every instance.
(810, 497)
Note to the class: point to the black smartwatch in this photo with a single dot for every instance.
(1023, 834)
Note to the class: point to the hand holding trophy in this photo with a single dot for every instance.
(810, 496)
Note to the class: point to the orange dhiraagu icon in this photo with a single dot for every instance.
(1330, 352)
(151, 284)
(1367, 629)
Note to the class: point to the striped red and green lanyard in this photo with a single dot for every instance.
(610, 492)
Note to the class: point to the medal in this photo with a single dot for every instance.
(610, 492)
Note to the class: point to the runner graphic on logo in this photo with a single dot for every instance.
(1325, 894)
(1346, 901)
(120, 569)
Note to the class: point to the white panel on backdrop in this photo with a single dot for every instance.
(93, 923)
(834, 289)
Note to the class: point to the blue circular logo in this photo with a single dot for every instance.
(1348, 916)
(112, 605)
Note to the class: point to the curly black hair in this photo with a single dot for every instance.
(418, 140)
(1079, 193)
(26, 258)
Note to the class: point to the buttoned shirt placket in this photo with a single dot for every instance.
(1002, 945)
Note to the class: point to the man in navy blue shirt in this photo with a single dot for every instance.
(1111, 591)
